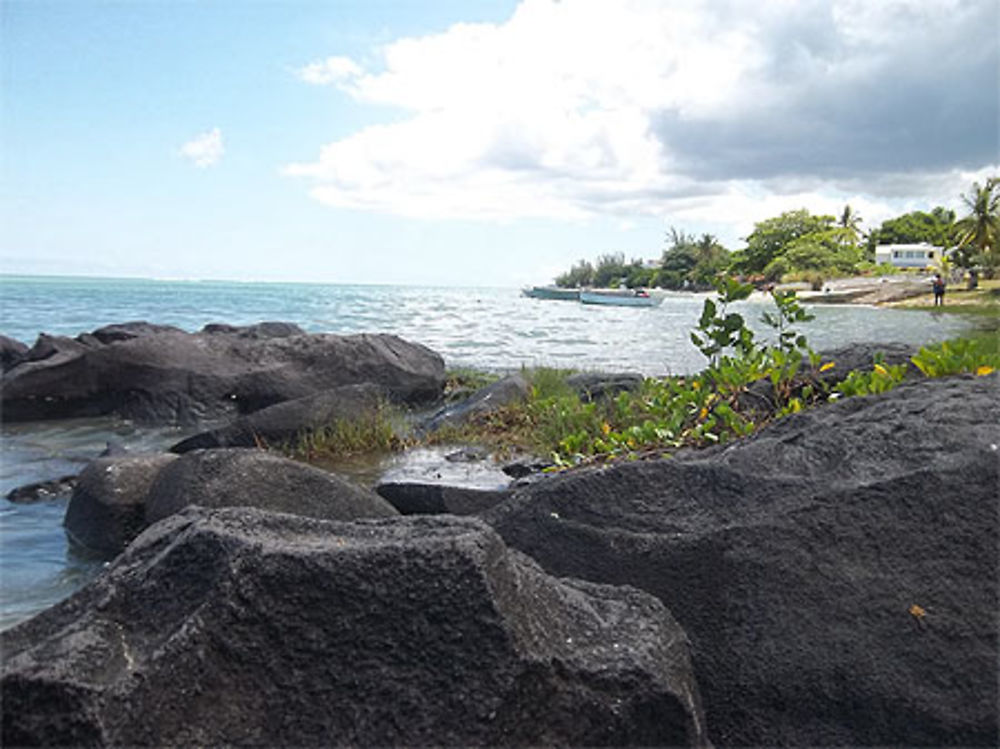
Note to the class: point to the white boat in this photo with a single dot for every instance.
(620, 297)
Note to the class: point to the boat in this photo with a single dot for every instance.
(620, 297)
(551, 292)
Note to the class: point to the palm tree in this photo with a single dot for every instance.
(850, 220)
(980, 229)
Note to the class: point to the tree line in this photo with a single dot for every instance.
(800, 246)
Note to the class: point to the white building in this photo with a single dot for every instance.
(921, 255)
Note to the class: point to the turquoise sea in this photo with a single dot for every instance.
(486, 328)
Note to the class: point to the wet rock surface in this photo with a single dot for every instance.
(412, 498)
(836, 573)
(158, 374)
(41, 491)
(241, 627)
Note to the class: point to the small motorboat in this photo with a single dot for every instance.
(551, 292)
(620, 297)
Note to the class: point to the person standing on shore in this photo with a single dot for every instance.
(938, 286)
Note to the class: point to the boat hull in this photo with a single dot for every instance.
(618, 299)
(552, 292)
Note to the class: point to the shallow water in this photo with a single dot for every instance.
(492, 329)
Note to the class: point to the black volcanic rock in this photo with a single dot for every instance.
(414, 498)
(257, 331)
(253, 478)
(127, 330)
(283, 422)
(592, 386)
(510, 389)
(837, 573)
(240, 627)
(159, 374)
(108, 506)
(39, 491)
(11, 353)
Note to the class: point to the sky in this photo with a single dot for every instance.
(470, 142)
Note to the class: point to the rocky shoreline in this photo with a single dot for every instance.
(830, 580)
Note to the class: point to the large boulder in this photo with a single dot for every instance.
(836, 573)
(241, 627)
(237, 477)
(108, 506)
(11, 353)
(510, 389)
(163, 375)
(283, 422)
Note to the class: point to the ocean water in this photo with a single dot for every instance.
(485, 328)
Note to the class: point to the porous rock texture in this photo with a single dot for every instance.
(284, 422)
(158, 374)
(837, 573)
(236, 477)
(241, 627)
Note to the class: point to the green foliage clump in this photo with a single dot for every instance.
(772, 237)
(936, 228)
(459, 382)
(963, 356)
(691, 263)
(375, 431)
(880, 379)
(611, 271)
(580, 275)
(979, 232)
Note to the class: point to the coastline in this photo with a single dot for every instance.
(902, 292)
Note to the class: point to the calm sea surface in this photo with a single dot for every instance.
(485, 328)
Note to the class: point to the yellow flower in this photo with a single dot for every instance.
(881, 370)
(606, 428)
(984, 370)
(695, 384)
(703, 414)
(828, 366)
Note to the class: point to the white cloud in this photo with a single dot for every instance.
(330, 70)
(579, 108)
(204, 150)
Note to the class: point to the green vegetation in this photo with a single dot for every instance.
(979, 231)
(690, 263)
(377, 430)
(800, 246)
(611, 271)
(461, 382)
(936, 228)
